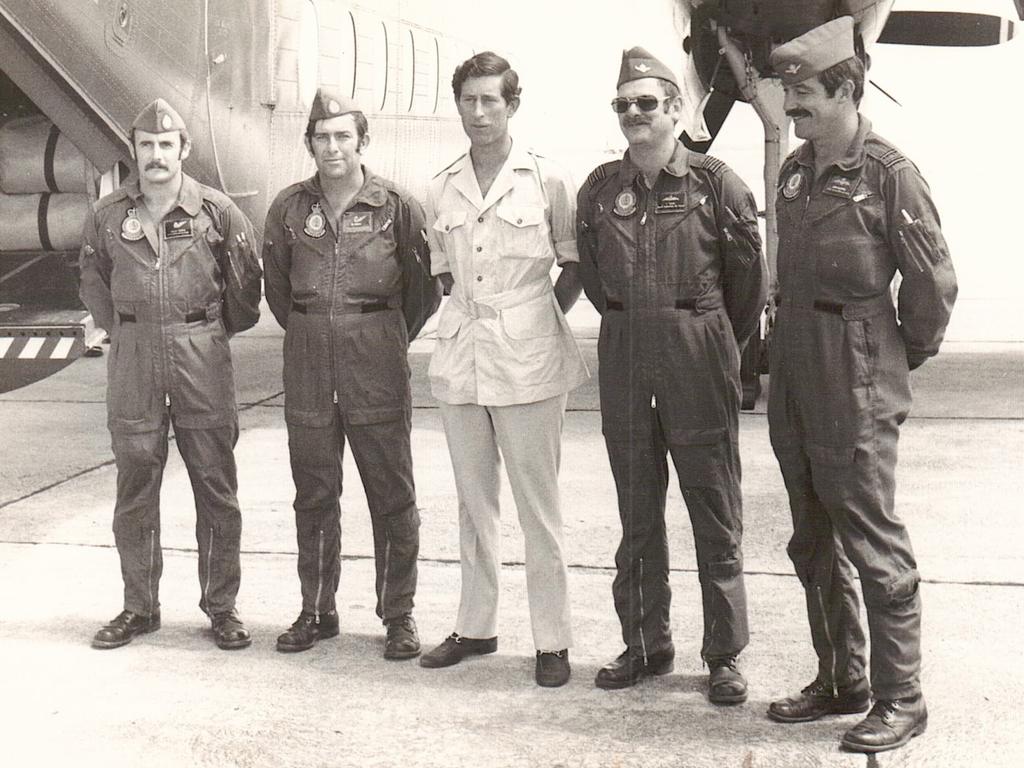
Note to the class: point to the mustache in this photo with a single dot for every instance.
(156, 164)
(797, 113)
(637, 121)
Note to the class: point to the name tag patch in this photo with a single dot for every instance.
(840, 186)
(175, 229)
(669, 202)
(357, 222)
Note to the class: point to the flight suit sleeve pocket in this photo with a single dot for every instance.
(919, 246)
(742, 239)
(533, 319)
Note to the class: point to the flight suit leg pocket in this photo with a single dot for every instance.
(700, 456)
(833, 472)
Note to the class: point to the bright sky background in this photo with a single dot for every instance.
(961, 120)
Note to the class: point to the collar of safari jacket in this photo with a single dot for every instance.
(855, 153)
(190, 196)
(678, 165)
(373, 192)
(463, 177)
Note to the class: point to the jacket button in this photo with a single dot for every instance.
(479, 278)
(479, 248)
(519, 221)
(480, 219)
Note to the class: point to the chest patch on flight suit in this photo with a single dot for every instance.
(793, 185)
(176, 229)
(356, 222)
(131, 227)
(840, 186)
(669, 202)
(625, 203)
(315, 224)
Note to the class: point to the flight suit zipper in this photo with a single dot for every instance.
(319, 576)
(640, 589)
(387, 566)
(161, 290)
(209, 571)
(828, 638)
(330, 316)
(149, 574)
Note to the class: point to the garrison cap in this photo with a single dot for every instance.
(158, 117)
(637, 64)
(814, 51)
(328, 104)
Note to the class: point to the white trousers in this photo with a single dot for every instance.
(529, 437)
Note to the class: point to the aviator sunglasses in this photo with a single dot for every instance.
(621, 104)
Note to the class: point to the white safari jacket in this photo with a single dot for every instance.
(502, 339)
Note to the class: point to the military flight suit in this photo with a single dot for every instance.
(170, 293)
(679, 279)
(840, 391)
(350, 299)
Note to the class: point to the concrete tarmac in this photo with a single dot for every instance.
(173, 699)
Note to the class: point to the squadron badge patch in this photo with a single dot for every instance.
(315, 224)
(793, 185)
(625, 203)
(131, 227)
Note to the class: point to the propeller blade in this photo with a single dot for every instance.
(1020, 8)
(716, 109)
(946, 28)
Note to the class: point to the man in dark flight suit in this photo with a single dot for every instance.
(852, 211)
(348, 277)
(169, 270)
(670, 255)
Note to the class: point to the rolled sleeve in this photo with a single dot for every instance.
(438, 258)
(561, 195)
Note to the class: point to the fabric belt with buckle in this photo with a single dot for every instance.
(191, 317)
(853, 310)
(616, 306)
(374, 306)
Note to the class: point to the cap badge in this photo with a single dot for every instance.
(625, 203)
(316, 223)
(333, 107)
(131, 227)
(641, 67)
(792, 186)
(792, 69)
(165, 122)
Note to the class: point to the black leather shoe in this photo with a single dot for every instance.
(123, 628)
(725, 683)
(552, 668)
(402, 641)
(454, 649)
(629, 667)
(891, 723)
(306, 630)
(229, 632)
(818, 699)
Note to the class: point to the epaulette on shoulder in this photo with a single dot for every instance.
(601, 172)
(885, 153)
(215, 196)
(447, 167)
(709, 163)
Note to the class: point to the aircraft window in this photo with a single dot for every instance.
(437, 74)
(408, 69)
(348, 58)
(381, 65)
(308, 53)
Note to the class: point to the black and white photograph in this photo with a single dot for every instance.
(566, 384)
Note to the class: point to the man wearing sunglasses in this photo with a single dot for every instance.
(670, 255)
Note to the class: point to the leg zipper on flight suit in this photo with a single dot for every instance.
(319, 576)
(828, 637)
(387, 564)
(209, 571)
(149, 575)
(640, 586)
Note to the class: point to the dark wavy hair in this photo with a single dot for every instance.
(851, 69)
(487, 64)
